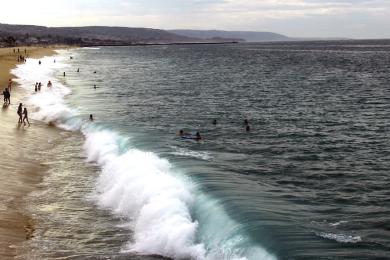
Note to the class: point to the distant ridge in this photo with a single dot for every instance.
(88, 35)
(247, 36)
(12, 35)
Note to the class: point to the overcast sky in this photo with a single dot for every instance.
(297, 18)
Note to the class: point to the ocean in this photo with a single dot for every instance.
(309, 180)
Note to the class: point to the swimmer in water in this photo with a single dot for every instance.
(197, 136)
(91, 117)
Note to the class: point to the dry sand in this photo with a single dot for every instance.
(20, 169)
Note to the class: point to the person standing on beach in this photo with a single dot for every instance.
(25, 116)
(10, 85)
(20, 113)
(7, 96)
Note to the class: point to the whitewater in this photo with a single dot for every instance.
(167, 213)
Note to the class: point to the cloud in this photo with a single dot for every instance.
(351, 18)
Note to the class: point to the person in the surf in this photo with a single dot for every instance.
(20, 113)
(7, 96)
(214, 121)
(39, 86)
(197, 136)
(25, 116)
(183, 134)
(91, 117)
(187, 135)
(49, 84)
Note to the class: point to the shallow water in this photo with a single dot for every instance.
(309, 181)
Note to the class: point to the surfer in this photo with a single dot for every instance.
(49, 84)
(186, 135)
(197, 136)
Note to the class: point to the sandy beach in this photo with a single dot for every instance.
(20, 169)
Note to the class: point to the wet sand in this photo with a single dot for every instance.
(20, 167)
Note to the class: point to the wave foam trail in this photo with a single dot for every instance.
(139, 186)
(166, 212)
(49, 104)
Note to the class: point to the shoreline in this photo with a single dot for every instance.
(20, 169)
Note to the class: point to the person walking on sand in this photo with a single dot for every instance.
(10, 85)
(7, 97)
(20, 113)
(25, 116)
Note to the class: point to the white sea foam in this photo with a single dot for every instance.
(338, 223)
(188, 153)
(139, 186)
(342, 238)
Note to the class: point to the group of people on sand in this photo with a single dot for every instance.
(23, 114)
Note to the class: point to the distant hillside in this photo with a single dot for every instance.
(246, 36)
(91, 35)
(12, 35)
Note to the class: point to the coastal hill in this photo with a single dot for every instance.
(247, 36)
(12, 35)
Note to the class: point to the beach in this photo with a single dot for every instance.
(20, 171)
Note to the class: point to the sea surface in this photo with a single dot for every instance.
(310, 180)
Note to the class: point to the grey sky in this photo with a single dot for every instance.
(298, 18)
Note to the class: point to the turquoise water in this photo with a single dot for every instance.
(308, 181)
